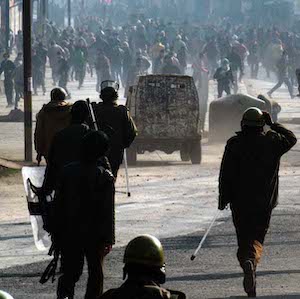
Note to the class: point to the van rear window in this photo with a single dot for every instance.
(154, 84)
(178, 86)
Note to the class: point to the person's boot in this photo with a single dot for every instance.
(249, 278)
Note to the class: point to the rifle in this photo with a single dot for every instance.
(44, 208)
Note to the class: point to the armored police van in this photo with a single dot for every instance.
(166, 110)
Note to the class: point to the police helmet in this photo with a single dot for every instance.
(4, 295)
(109, 91)
(58, 94)
(145, 254)
(253, 117)
(145, 250)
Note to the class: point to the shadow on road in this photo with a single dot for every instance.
(264, 297)
(224, 276)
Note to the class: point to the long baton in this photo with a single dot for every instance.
(205, 236)
(126, 173)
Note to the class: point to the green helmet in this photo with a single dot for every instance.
(4, 295)
(145, 250)
(253, 117)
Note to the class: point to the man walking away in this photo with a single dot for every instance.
(249, 184)
(52, 118)
(84, 204)
(111, 115)
(283, 75)
(65, 147)
(8, 67)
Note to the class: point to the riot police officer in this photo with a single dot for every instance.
(84, 217)
(249, 183)
(52, 118)
(145, 271)
(65, 147)
(116, 119)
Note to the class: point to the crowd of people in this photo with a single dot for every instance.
(83, 163)
(122, 53)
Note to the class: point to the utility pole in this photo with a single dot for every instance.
(43, 16)
(7, 25)
(27, 11)
(69, 13)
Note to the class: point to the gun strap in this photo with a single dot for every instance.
(51, 269)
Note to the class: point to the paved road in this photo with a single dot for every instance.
(181, 200)
(214, 274)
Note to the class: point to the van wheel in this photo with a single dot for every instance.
(131, 156)
(196, 152)
(184, 154)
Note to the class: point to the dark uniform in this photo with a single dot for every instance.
(110, 115)
(224, 77)
(84, 213)
(8, 67)
(19, 84)
(145, 267)
(65, 147)
(63, 73)
(249, 183)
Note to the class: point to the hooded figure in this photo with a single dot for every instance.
(52, 118)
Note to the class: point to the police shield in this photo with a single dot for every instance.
(33, 178)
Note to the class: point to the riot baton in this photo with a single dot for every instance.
(126, 173)
(205, 236)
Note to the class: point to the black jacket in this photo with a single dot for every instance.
(84, 204)
(223, 77)
(116, 117)
(64, 149)
(249, 170)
